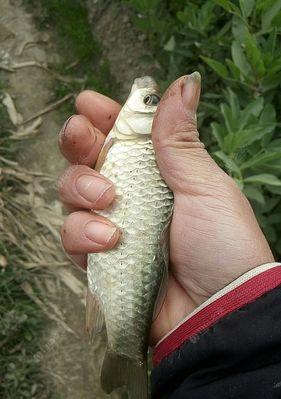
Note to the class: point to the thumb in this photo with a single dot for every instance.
(181, 157)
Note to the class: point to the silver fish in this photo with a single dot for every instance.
(124, 282)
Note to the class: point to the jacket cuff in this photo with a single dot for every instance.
(240, 292)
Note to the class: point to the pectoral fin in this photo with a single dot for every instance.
(94, 315)
(165, 271)
(103, 153)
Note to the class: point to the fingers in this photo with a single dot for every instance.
(191, 92)
(182, 159)
(83, 187)
(84, 232)
(99, 109)
(79, 141)
(176, 114)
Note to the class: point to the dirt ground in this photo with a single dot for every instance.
(122, 44)
(69, 362)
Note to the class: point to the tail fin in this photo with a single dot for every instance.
(118, 370)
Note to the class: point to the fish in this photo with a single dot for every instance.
(126, 284)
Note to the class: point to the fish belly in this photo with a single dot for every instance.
(126, 279)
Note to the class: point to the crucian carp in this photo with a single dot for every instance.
(125, 282)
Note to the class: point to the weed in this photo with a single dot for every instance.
(234, 44)
(21, 321)
(82, 64)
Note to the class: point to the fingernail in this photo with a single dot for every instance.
(99, 232)
(62, 132)
(92, 188)
(191, 91)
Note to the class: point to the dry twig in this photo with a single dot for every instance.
(49, 108)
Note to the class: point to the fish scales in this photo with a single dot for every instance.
(126, 279)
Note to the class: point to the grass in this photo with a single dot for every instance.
(22, 320)
(82, 58)
(234, 45)
(20, 325)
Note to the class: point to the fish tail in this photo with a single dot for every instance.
(118, 370)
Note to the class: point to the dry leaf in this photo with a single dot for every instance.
(3, 262)
(15, 117)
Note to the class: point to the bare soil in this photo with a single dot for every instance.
(122, 44)
(69, 362)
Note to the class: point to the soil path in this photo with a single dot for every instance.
(69, 362)
(122, 44)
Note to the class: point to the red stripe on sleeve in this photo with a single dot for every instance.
(231, 301)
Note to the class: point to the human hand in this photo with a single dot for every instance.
(214, 235)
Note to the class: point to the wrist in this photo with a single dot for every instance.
(226, 273)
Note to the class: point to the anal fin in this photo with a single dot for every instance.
(118, 370)
(94, 315)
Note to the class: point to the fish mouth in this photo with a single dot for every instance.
(144, 82)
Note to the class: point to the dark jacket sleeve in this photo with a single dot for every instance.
(229, 348)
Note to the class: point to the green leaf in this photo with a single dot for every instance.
(254, 55)
(218, 67)
(233, 68)
(231, 122)
(228, 162)
(270, 203)
(239, 59)
(264, 178)
(253, 193)
(219, 132)
(274, 190)
(271, 82)
(239, 29)
(247, 7)
(234, 105)
(254, 108)
(171, 44)
(206, 16)
(271, 42)
(268, 115)
(251, 134)
(261, 159)
(228, 6)
(274, 145)
(268, 15)
(141, 23)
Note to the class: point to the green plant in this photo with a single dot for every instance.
(236, 47)
(81, 65)
(21, 320)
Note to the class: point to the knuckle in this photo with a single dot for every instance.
(184, 134)
(64, 179)
(67, 232)
(188, 125)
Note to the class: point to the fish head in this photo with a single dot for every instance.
(137, 114)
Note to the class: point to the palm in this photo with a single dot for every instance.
(214, 236)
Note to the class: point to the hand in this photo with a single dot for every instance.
(214, 236)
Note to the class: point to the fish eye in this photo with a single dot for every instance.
(151, 99)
